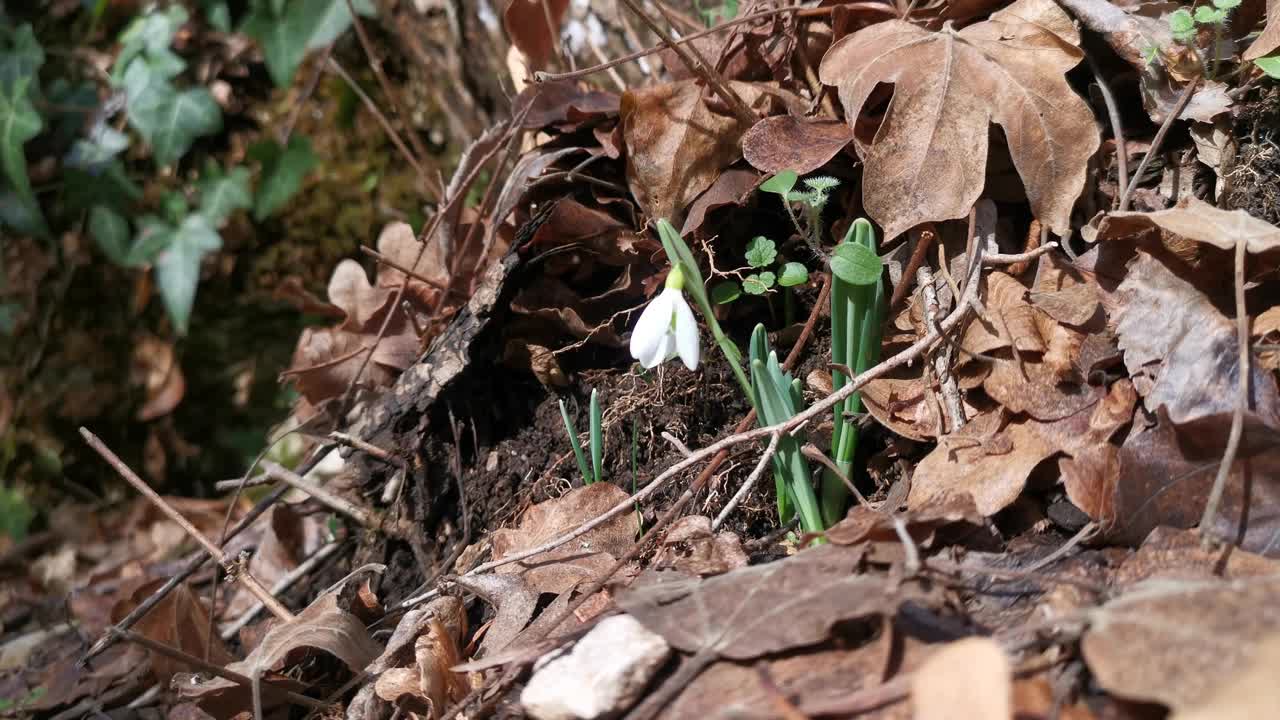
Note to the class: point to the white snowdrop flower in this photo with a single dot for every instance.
(667, 327)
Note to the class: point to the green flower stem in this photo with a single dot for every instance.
(681, 257)
(577, 446)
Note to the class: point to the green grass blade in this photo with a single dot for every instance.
(577, 446)
(597, 437)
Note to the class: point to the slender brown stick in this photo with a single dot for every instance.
(1010, 259)
(1157, 142)
(373, 108)
(793, 10)
(699, 66)
(420, 153)
(925, 238)
(1242, 401)
(368, 448)
(1117, 127)
(361, 515)
(213, 550)
(195, 662)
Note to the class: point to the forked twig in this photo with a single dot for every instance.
(251, 583)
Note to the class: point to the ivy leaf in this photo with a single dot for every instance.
(178, 265)
(1270, 66)
(792, 274)
(283, 171)
(223, 193)
(180, 119)
(286, 31)
(21, 59)
(111, 231)
(19, 123)
(758, 283)
(100, 148)
(781, 183)
(761, 252)
(855, 264)
(725, 292)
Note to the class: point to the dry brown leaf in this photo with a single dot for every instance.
(863, 524)
(784, 142)
(181, 621)
(1253, 693)
(155, 367)
(1197, 220)
(728, 189)
(322, 626)
(1176, 641)
(1269, 40)
(690, 547)
(514, 603)
(761, 609)
(927, 160)
(677, 144)
(287, 540)
(558, 570)
(534, 28)
(984, 460)
(1266, 327)
(1175, 554)
(560, 103)
(969, 678)
(1182, 355)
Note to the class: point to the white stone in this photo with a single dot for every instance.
(602, 675)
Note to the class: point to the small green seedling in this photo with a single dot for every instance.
(762, 254)
(595, 472)
(1185, 25)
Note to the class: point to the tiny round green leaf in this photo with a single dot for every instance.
(761, 252)
(781, 183)
(758, 283)
(1206, 15)
(792, 274)
(725, 293)
(855, 264)
(1226, 4)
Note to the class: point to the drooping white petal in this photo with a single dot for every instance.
(649, 339)
(686, 333)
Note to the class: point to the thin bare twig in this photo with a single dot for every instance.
(1242, 401)
(215, 552)
(1117, 127)
(694, 61)
(199, 663)
(941, 360)
(367, 448)
(1157, 142)
(1013, 258)
(373, 108)
(750, 482)
(363, 516)
(281, 585)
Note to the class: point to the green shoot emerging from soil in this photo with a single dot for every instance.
(595, 472)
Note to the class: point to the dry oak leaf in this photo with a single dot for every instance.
(928, 158)
(559, 569)
(969, 678)
(534, 27)
(1175, 642)
(677, 144)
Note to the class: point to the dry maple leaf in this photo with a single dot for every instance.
(928, 159)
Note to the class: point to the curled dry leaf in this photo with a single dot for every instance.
(155, 367)
(534, 27)
(949, 86)
(1175, 641)
(324, 626)
(729, 189)
(969, 678)
(1197, 220)
(514, 602)
(563, 104)
(768, 608)
(785, 142)
(677, 145)
(863, 524)
(558, 570)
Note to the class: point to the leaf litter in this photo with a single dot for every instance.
(1029, 539)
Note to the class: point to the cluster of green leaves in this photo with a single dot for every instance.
(1183, 23)
(595, 473)
(168, 116)
(761, 255)
(779, 397)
